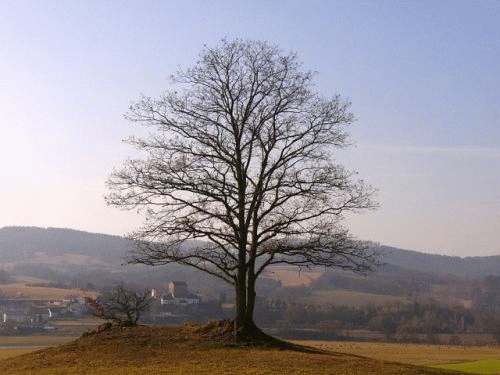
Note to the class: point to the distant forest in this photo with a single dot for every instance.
(18, 243)
(416, 295)
(21, 243)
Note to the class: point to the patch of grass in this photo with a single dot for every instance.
(157, 350)
(415, 354)
(35, 340)
(485, 366)
(7, 353)
(12, 346)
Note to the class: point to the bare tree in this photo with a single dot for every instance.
(124, 307)
(240, 161)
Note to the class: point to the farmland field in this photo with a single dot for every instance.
(67, 331)
(34, 340)
(414, 354)
(485, 366)
(292, 277)
(38, 292)
(75, 328)
(172, 350)
(11, 346)
(480, 360)
(348, 298)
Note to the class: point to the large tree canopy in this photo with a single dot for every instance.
(241, 161)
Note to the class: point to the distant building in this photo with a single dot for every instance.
(40, 314)
(177, 289)
(178, 294)
(180, 301)
(18, 316)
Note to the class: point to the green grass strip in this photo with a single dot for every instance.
(484, 366)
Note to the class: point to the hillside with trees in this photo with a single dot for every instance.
(27, 244)
(403, 298)
(467, 267)
(19, 244)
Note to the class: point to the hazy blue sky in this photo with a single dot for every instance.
(423, 77)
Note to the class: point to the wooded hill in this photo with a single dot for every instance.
(18, 244)
(31, 244)
(468, 267)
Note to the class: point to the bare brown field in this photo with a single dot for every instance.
(35, 340)
(465, 339)
(293, 277)
(86, 321)
(11, 346)
(349, 298)
(162, 350)
(38, 292)
(414, 354)
(76, 327)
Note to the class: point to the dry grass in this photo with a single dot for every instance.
(415, 354)
(7, 353)
(35, 340)
(155, 350)
(11, 346)
(37, 292)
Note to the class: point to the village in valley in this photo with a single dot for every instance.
(250, 187)
(297, 306)
(173, 304)
(414, 298)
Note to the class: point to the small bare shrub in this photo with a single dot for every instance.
(124, 307)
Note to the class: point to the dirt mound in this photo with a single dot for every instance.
(191, 349)
(222, 332)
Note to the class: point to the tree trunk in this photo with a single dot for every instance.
(251, 291)
(245, 328)
(241, 301)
